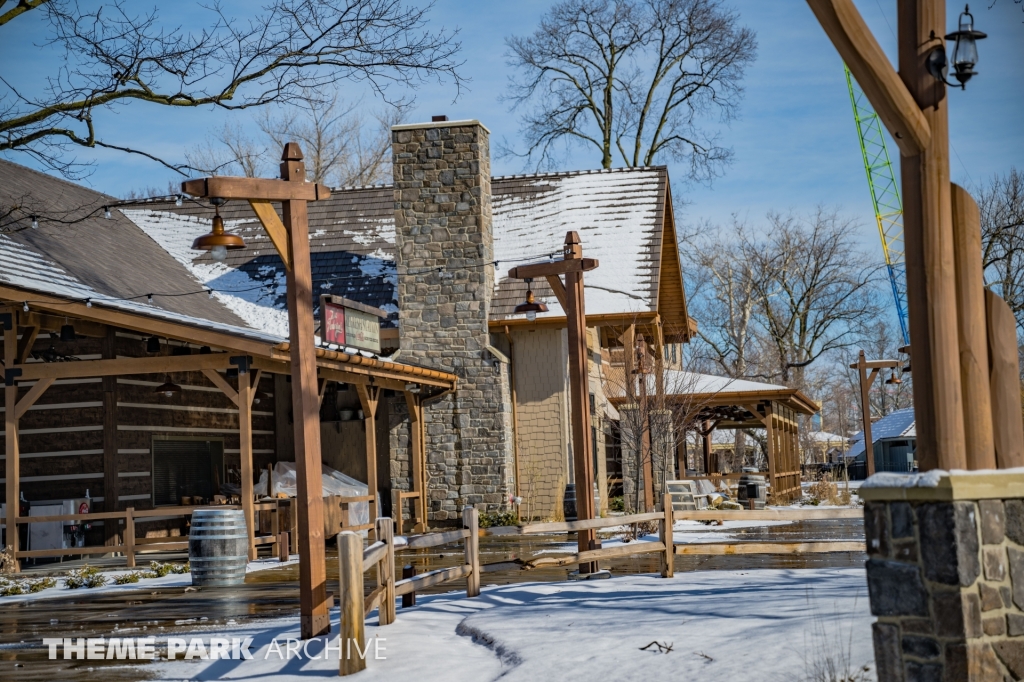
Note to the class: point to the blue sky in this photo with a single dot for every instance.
(794, 142)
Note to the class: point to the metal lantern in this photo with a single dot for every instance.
(67, 332)
(153, 344)
(168, 389)
(218, 241)
(965, 50)
(531, 307)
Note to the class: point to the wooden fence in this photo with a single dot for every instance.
(130, 544)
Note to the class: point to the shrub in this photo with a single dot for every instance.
(86, 576)
(617, 504)
(128, 578)
(10, 589)
(41, 584)
(159, 570)
(491, 519)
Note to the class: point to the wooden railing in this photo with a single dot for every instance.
(353, 561)
(130, 545)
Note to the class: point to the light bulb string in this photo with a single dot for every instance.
(37, 218)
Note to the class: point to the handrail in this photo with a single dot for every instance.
(570, 526)
(768, 514)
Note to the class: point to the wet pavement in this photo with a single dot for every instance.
(273, 593)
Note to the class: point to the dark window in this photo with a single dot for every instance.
(186, 468)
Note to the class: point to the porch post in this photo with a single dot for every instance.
(369, 397)
(773, 449)
(417, 464)
(111, 482)
(245, 394)
(13, 467)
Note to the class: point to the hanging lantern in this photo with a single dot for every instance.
(218, 242)
(67, 332)
(965, 50)
(168, 389)
(531, 307)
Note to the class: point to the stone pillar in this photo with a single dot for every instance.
(946, 575)
(445, 283)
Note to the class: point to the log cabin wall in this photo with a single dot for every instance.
(62, 435)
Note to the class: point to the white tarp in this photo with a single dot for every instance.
(334, 483)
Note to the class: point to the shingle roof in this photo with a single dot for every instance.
(619, 214)
(898, 424)
(108, 257)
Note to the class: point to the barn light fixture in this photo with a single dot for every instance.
(893, 379)
(218, 241)
(50, 354)
(153, 344)
(168, 389)
(258, 396)
(67, 332)
(965, 52)
(531, 308)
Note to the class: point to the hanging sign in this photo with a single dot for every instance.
(348, 323)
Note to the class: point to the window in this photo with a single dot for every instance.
(185, 467)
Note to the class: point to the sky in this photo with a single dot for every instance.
(794, 142)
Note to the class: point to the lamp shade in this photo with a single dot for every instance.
(218, 242)
(67, 332)
(168, 389)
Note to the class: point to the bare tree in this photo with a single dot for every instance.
(1002, 232)
(634, 76)
(230, 152)
(816, 290)
(115, 56)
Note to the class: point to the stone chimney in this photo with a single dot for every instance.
(442, 173)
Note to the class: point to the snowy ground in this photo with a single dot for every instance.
(720, 625)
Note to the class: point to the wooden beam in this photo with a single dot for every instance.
(314, 617)
(558, 267)
(111, 481)
(1008, 430)
(222, 383)
(145, 324)
(321, 390)
(555, 282)
(723, 548)
(160, 364)
(30, 398)
(28, 338)
(53, 323)
(224, 187)
(928, 241)
(369, 397)
(257, 375)
(417, 465)
(244, 402)
(970, 298)
(890, 98)
(275, 229)
(12, 456)
(622, 320)
(877, 364)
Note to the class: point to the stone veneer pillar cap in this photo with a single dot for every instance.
(441, 124)
(943, 486)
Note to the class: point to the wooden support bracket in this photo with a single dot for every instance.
(276, 230)
(555, 282)
(30, 398)
(221, 383)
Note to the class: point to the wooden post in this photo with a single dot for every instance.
(668, 558)
(970, 298)
(409, 598)
(865, 411)
(314, 619)
(1008, 430)
(646, 454)
(418, 464)
(773, 451)
(9, 320)
(386, 571)
(579, 382)
(928, 234)
(471, 521)
(245, 394)
(282, 546)
(111, 481)
(350, 577)
(129, 536)
(396, 510)
(706, 432)
(369, 397)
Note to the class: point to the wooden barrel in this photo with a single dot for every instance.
(217, 547)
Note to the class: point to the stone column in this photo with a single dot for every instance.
(442, 173)
(946, 575)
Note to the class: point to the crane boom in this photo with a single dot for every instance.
(885, 196)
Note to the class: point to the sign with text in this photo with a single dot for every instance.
(347, 323)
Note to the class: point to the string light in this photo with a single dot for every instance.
(149, 298)
(25, 306)
(177, 200)
(35, 223)
(88, 303)
(106, 212)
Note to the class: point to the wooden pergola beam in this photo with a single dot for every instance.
(13, 458)
(225, 187)
(101, 368)
(893, 102)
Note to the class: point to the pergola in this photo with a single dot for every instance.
(723, 403)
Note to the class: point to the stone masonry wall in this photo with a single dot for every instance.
(445, 282)
(946, 581)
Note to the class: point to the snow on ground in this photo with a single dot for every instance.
(169, 580)
(720, 625)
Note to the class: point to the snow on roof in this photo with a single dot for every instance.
(27, 269)
(827, 438)
(619, 216)
(898, 424)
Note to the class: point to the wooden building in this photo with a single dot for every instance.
(126, 378)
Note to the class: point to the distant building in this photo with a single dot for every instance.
(895, 439)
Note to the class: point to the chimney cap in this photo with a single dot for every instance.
(438, 119)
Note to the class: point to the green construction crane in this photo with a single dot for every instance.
(885, 195)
